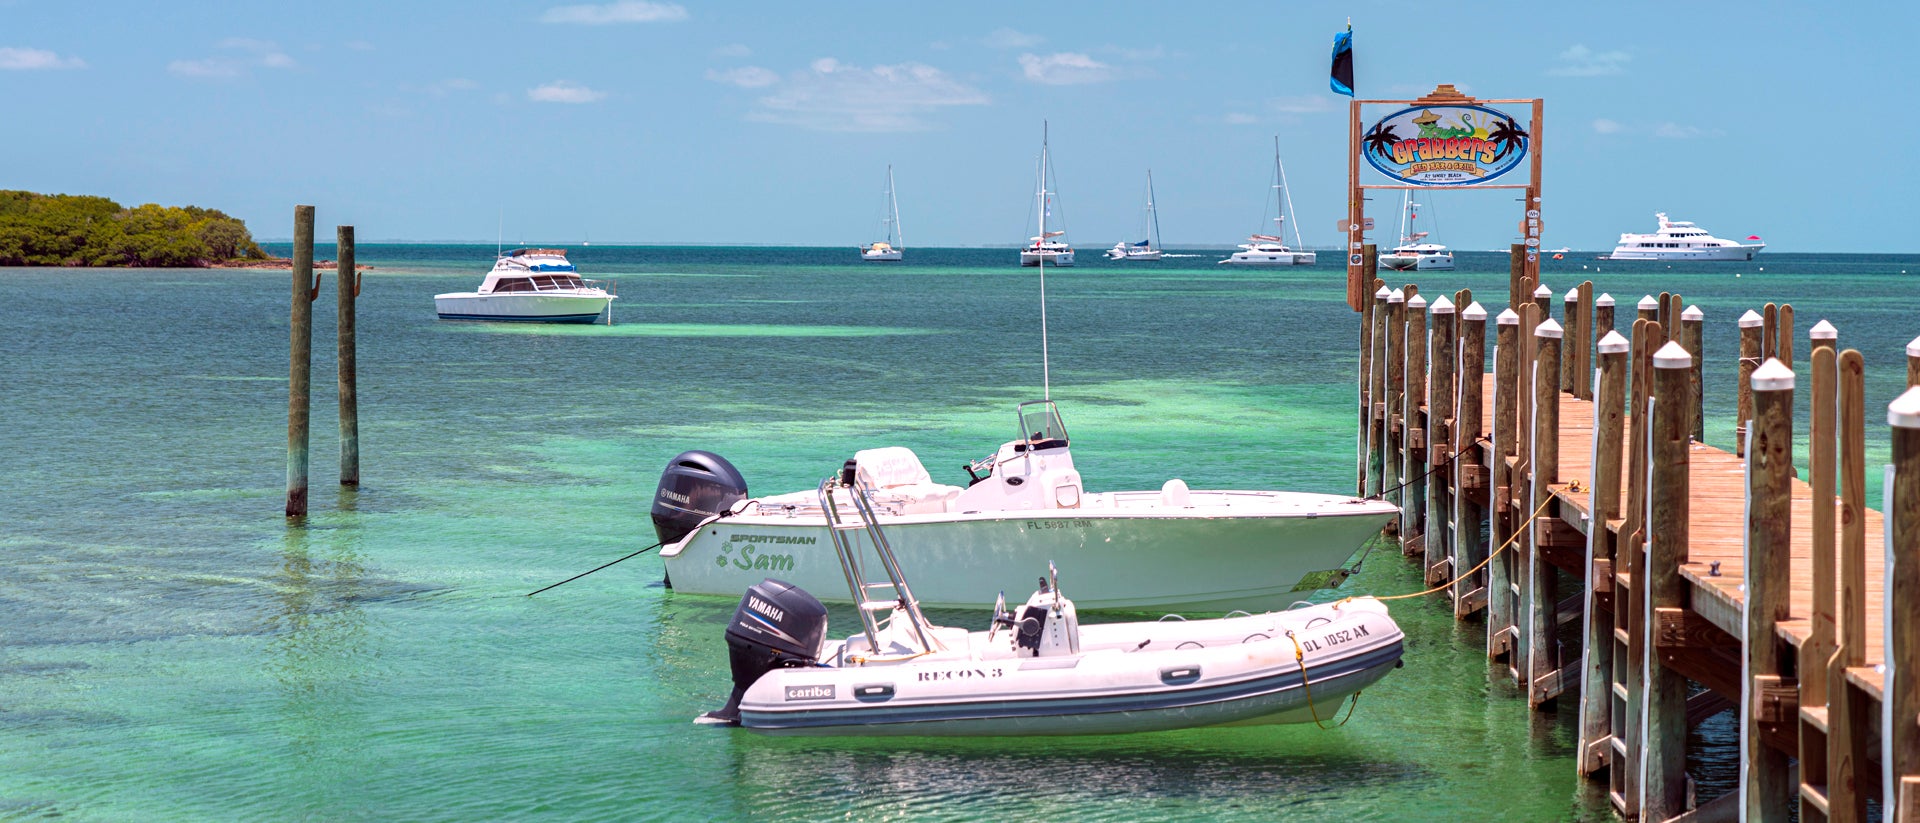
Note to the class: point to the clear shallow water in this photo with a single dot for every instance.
(170, 649)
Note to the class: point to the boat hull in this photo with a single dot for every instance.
(522, 307)
(1062, 259)
(881, 256)
(1720, 254)
(1254, 674)
(1202, 559)
(1425, 262)
(1285, 258)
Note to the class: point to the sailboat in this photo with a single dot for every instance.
(1046, 247)
(1148, 249)
(1271, 249)
(890, 249)
(1411, 254)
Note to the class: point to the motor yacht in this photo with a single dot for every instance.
(1680, 240)
(531, 285)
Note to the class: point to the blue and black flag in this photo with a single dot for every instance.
(1343, 62)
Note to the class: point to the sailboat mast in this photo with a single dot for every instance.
(1298, 241)
(1153, 211)
(899, 238)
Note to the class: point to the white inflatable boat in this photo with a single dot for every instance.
(1036, 671)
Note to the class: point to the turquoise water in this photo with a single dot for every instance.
(171, 648)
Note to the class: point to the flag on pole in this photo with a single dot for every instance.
(1343, 62)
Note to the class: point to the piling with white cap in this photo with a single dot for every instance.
(1913, 362)
(1903, 591)
(1692, 336)
(1535, 657)
(1770, 475)
(1543, 297)
(1649, 308)
(1750, 333)
(1665, 690)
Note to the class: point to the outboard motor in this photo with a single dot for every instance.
(778, 625)
(696, 485)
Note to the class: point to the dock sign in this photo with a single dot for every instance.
(1445, 145)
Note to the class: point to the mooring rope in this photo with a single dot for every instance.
(1436, 467)
(1517, 534)
(1300, 657)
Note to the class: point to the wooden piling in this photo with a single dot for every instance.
(1469, 475)
(1543, 297)
(300, 360)
(1506, 390)
(1603, 484)
(1819, 646)
(1913, 362)
(1377, 394)
(1847, 710)
(1765, 786)
(1602, 316)
(1396, 384)
(1783, 334)
(1570, 325)
(1364, 399)
(347, 276)
(1630, 590)
(1539, 597)
(1663, 311)
(1664, 791)
(1692, 337)
(1650, 309)
(1583, 345)
(1898, 727)
(1750, 340)
(1413, 470)
(1439, 441)
(1516, 273)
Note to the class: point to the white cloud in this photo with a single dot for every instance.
(1676, 131)
(734, 50)
(623, 11)
(252, 54)
(746, 77)
(1064, 69)
(564, 92)
(1604, 126)
(1307, 104)
(1580, 61)
(1237, 118)
(830, 95)
(14, 59)
(1010, 39)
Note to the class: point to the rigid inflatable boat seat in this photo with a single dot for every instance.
(900, 483)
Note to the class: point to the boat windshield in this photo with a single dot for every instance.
(1040, 425)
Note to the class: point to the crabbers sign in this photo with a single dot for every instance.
(1445, 145)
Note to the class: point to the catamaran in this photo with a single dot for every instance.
(890, 249)
(1148, 249)
(1271, 249)
(1048, 247)
(1412, 254)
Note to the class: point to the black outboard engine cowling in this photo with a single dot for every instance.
(696, 485)
(777, 625)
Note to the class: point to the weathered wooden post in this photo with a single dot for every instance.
(1506, 391)
(1396, 352)
(1692, 337)
(1750, 330)
(1664, 792)
(300, 360)
(1819, 646)
(1764, 783)
(1583, 376)
(1603, 484)
(1364, 433)
(1413, 470)
(1468, 545)
(1602, 316)
(1783, 347)
(1769, 331)
(1570, 326)
(1848, 732)
(1516, 274)
(1630, 601)
(1913, 362)
(1541, 596)
(1898, 727)
(1650, 309)
(1664, 312)
(347, 274)
(1377, 394)
(1439, 441)
(1543, 297)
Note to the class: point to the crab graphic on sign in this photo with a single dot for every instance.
(1445, 145)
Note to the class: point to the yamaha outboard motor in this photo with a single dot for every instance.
(778, 625)
(696, 485)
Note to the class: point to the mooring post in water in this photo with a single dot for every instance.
(1364, 433)
(1913, 362)
(1377, 394)
(1750, 330)
(1543, 297)
(1570, 323)
(1583, 376)
(1469, 474)
(1603, 489)
(347, 275)
(1541, 595)
(1783, 348)
(1664, 794)
(1440, 413)
(1650, 309)
(1765, 695)
(1413, 470)
(1517, 275)
(1769, 331)
(1851, 744)
(1630, 599)
(1602, 316)
(1506, 388)
(1819, 646)
(1692, 336)
(1899, 728)
(1396, 384)
(300, 360)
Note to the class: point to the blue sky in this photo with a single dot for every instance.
(763, 122)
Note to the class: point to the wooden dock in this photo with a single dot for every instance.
(1616, 560)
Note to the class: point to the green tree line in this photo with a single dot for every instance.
(78, 230)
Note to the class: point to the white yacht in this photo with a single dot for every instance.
(1022, 507)
(1148, 249)
(1047, 247)
(891, 249)
(1412, 254)
(1271, 249)
(531, 285)
(1680, 240)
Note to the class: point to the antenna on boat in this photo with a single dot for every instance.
(500, 234)
(1046, 376)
